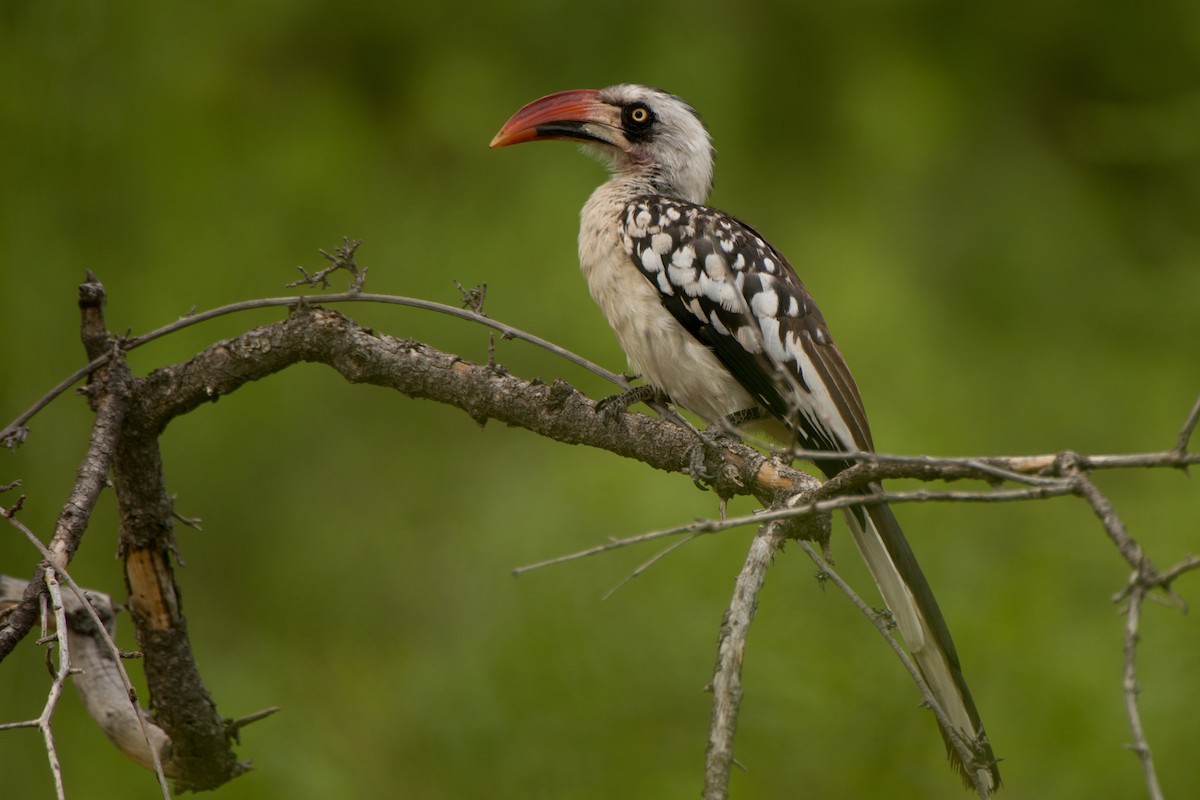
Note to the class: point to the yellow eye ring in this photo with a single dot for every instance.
(637, 117)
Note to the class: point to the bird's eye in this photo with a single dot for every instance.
(638, 116)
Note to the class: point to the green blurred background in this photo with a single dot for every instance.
(997, 205)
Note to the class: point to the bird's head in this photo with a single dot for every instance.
(642, 132)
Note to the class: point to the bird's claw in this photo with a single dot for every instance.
(697, 467)
(615, 405)
(710, 442)
(709, 445)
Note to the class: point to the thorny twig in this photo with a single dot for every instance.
(1140, 746)
(102, 630)
(44, 722)
(473, 298)
(1189, 425)
(342, 258)
(1143, 580)
(708, 526)
(647, 564)
(90, 482)
(731, 647)
(234, 726)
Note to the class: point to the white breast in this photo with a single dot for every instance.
(658, 347)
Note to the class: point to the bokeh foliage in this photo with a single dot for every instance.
(997, 205)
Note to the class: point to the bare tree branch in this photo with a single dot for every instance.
(808, 508)
(44, 723)
(132, 414)
(184, 708)
(1189, 425)
(341, 259)
(1187, 565)
(15, 432)
(731, 649)
(103, 683)
(1129, 549)
(1140, 746)
(202, 753)
(110, 405)
(100, 677)
(1023, 469)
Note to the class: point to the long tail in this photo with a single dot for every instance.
(910, 599)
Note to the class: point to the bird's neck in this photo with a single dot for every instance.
(630, 181)
(624, 186)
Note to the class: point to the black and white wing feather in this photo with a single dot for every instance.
(738, 295)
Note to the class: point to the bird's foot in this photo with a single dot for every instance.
(709, 444)
(615, 405)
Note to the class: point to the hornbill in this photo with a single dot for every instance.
(713, 317)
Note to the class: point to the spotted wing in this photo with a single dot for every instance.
(740, 297)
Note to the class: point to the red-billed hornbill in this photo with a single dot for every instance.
(714, 317)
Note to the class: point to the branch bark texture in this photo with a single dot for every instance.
(555, 410)
(132, 413)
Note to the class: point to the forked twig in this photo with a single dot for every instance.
(645, 565)
(102, 631)
(53, 610)
(707, 526)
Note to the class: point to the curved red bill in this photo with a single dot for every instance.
(544, 117)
